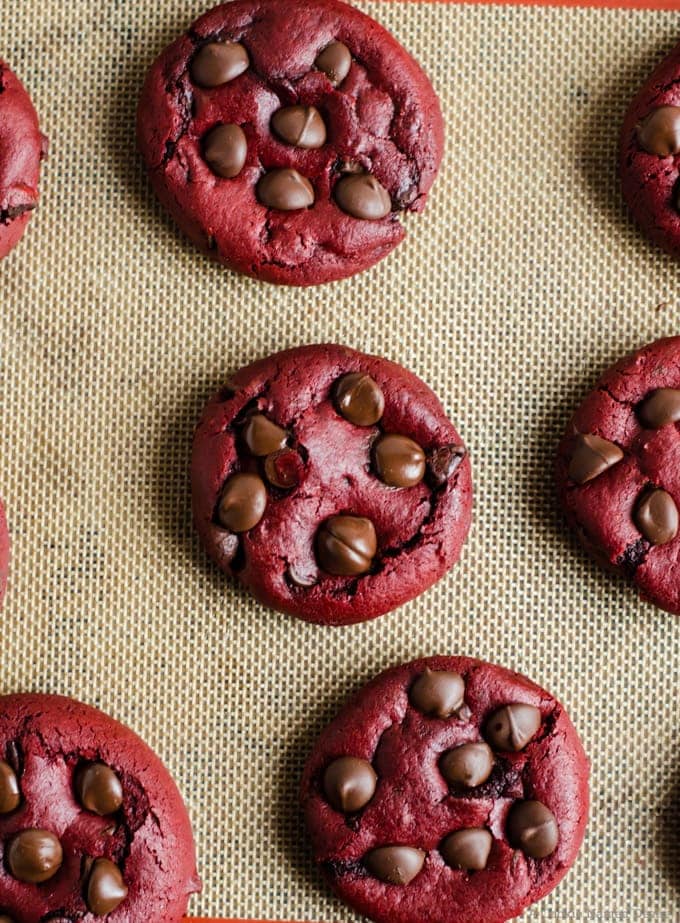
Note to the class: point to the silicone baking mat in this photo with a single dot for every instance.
(519, 285)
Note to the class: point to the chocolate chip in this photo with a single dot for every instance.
(399, 461)
(511, 727)
(349, 784)
(302, 578)
(335, 61)
(395, 865)
(346, 545)
(532, 828)
(592, 456)
(660, 407)
(285, 190)
(283, 469)
(659, 132)
(361, 196)
(99, 789)
(446, 461)
(656, 517)
(34, 856)
(225, 149)
(301, 126)
(439, 693)
(262, 436)
(469, 765)
(359, 399)
(106, 889)
(219, 62)
(243, 502)
(467, 849)
(10, 794)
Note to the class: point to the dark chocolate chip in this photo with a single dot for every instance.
(362, 196)
(10, 794)
(219, 62)
(283, 469)
(262, 436)
(532, 828)
(661, 407)
(399, 461)
(34, 856)
(243, 502)
(469, 765)
(659, 132)
(349, 784)
(106, 888)
(359, 399)
(346, 545)
(439, 693)
(285, 190)
(395, 865)
(99, 789)
(656, 517)
(335, 61)
(592, 456)
(301, 126)
(467, 849)
(512, 727)
(225, 150)
(446, 461)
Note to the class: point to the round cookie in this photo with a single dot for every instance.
(650, 155)
(4, 552)
(91, 824)
(286, 138)
(22, 147)
(478, 801)
(330, 483)
(618, 475)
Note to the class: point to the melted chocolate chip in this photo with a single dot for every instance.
(399, 461)
(592, 456)
(243, 502)
(262, 436)
(346, 545)
(439, 693)
(34, 856)
(660, 408)
(659, 132)
(359, 399)
(469, 765)
(445, 461)
(99, 789)
(532, 828)
(106, 888)
(656, 517)
(218, 63)
(335, 61)
(349, 784)
(225, 149)
(283, 469)
(395, 865)
(512, 727)
(10, 794)
(300, 126)
(467, 849)
(362, 196)
(285, 190)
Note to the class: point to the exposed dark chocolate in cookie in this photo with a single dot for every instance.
(467, 849)
(349, 784)
(225, 149)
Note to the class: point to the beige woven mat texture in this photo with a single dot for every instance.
(521, 283)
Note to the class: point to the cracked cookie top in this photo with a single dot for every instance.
(618, 471)
(331, 483)
(22, 148)
(449, 790)
(286, 138)
(92, 827)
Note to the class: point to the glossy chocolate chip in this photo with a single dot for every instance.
(34, 856)
(359, 399)
(395, 865)
(262, 436)
(362, 196)
(225, 149)
(301, 126)
(283, 469)
(656, 517)
(512, 727)
(346, 545)
(10, 794)
(285, 190)
(467, 849)
(243, 502)
(532, 828)
(349, 784)
(659, 132)
(98, 789)
(106, 888)
(660, 408)
(445, 461)
(219, 62)
(468, 765)
(592, 456)
(439, 693)
(399, 461)
(335, 61)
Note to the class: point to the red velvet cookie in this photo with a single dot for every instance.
(650, 155)
(91, 824)
(22, 147)
(4, 552)
(330, 483)
(618, 471)
(448, 790)
(286, 138)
